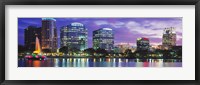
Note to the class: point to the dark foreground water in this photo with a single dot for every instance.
(99, 62)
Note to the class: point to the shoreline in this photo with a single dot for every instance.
(102, 57)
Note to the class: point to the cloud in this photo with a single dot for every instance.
(178, 37)
(101, 22)
(21, 27)
(140, 28)
(30, 22)
(154, 28)
(118, 24)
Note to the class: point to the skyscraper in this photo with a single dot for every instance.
(30, 34)
(103, 38)
(74, 35)
(169, 37)
(143, 44)
(49, 34)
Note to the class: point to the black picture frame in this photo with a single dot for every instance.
(99, 2)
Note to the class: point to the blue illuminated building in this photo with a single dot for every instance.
(103, 38)
(74, 35)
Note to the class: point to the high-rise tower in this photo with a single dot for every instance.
(103, 38)
(74, 35)
(169, 37)
(49, 34)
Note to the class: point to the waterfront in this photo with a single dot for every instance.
(86, 42)
(99, 62)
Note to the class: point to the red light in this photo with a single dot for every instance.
(145, 38)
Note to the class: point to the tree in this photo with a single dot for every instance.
(141, 53)
(111, 52)
(73, 51)
(128, 52)
(89, 51)
(64, 49)
(101, 51)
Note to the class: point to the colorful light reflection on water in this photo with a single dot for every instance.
(99, 62)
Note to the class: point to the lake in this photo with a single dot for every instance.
(99, 62)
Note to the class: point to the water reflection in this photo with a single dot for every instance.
(99, 62)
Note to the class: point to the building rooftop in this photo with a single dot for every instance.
(106, 28)
(76, 24)
(142, 38)
(49, 19)
(170, 30)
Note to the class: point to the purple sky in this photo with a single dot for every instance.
(126, 30)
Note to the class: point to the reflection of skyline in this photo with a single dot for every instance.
(126, 30)
(100, 62)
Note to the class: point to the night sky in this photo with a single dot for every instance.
(126, 30)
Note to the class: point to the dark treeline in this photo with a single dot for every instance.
(173, 53)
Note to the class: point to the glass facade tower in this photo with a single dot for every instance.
(49, 34)
(103, 38)
(143, 44)
(74, 35)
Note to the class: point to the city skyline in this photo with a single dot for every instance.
(126, 30)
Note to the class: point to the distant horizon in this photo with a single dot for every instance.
(126, 30)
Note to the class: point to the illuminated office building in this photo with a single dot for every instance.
(143, 44)
(49, 34)
(74, 35)
(103, 38)
(30, 34)
(169, 37)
